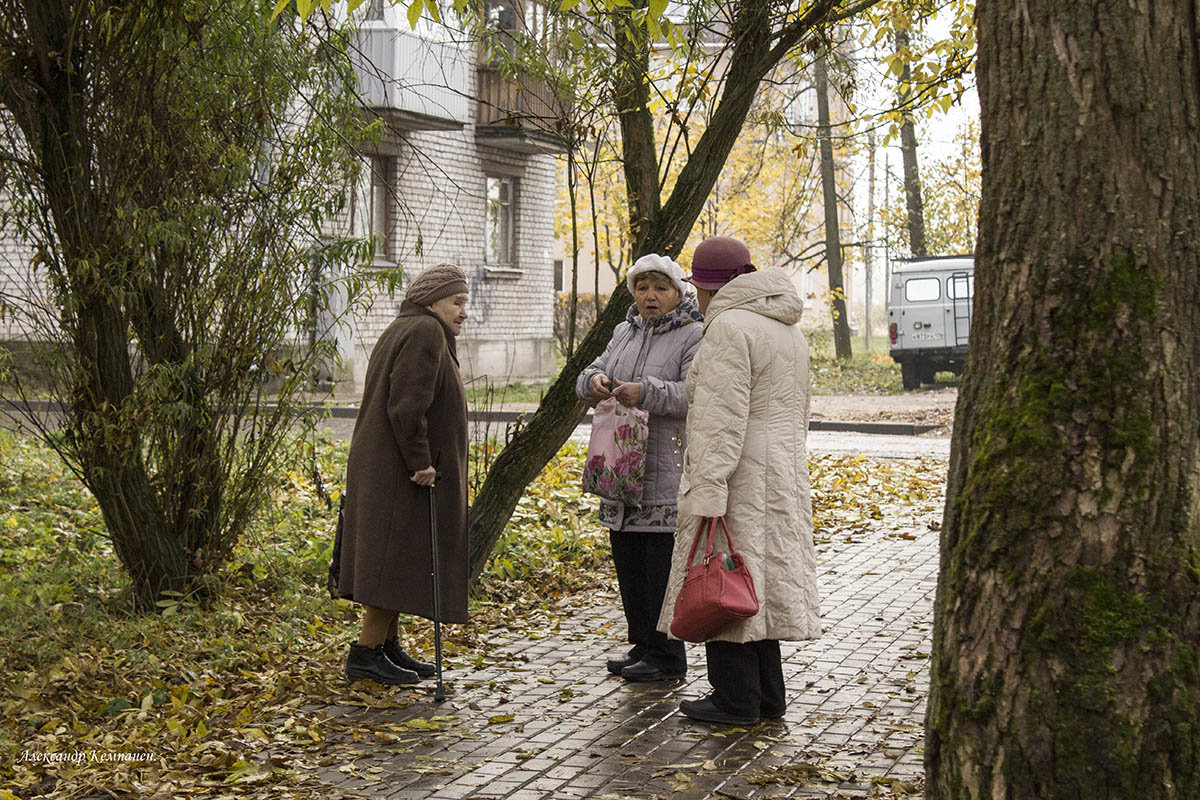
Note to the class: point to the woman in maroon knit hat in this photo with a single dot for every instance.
(748, 399)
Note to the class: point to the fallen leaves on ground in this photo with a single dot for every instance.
(799, 773)
(851, 495)
(239, 690)
(230, 692)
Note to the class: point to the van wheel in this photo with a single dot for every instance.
(927, 373)
(909, 375)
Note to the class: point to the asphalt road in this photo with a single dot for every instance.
(841, 443)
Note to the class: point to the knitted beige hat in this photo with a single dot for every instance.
(436, 282)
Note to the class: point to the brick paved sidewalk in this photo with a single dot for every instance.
(551, 723)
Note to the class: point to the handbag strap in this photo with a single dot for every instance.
(709, 548)
(712, 527)
(728, 538)
(696, 540)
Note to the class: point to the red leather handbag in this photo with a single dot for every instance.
(717, 590)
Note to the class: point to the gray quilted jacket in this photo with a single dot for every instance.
(657, 353)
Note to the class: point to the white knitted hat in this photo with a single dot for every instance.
(656, 263)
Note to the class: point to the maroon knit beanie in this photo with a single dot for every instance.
(436, 282)
(718, 260)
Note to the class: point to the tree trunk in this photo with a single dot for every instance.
(632, 97)
(833, 239)
(58, 130)
(1068, 607)
(908, 151)
(869, 249)
(574, 315)
(144, 247)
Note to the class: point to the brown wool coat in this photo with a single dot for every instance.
(413, 414)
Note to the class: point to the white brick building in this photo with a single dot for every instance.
(461, 174)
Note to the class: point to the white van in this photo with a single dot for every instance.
(929, 316)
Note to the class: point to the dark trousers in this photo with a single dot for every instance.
(643, 563)
(747, 679)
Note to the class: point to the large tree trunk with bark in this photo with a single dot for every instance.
(1068, 607)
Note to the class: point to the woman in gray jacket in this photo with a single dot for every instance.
(644, 365)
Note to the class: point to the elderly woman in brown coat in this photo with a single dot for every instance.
(412, 425)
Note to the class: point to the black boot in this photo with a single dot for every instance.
(392, 649)
(371, 663)
(615, 665)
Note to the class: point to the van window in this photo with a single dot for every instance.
(953, 283)
(921, 290)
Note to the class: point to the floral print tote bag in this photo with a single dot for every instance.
(616, 454)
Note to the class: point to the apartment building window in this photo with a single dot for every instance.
(559, 283)
(381, 202)
(498, 246)
(501, 15)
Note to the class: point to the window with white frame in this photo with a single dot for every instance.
(501, 202)
(380, 205)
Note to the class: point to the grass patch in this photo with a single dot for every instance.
(866, 372)
(482, 393)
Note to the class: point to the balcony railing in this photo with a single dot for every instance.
(518, 114)
(418, 83)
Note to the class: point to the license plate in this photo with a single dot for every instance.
(923, 337)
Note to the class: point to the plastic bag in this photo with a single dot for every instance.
(616, 454)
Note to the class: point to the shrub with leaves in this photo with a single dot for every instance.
(172, 166)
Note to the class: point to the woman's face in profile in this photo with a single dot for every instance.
(655, 296)
(452, 310)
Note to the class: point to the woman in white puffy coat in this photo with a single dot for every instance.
(748, 399)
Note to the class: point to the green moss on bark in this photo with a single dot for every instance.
(1073, 417)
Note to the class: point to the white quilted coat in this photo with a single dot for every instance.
(748, 398)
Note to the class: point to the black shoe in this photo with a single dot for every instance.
(704, 711)
(371, 663)
(615, 665)
(392, 649)
(645, 671)
(772, 714)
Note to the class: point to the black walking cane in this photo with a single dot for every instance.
(439, 695)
